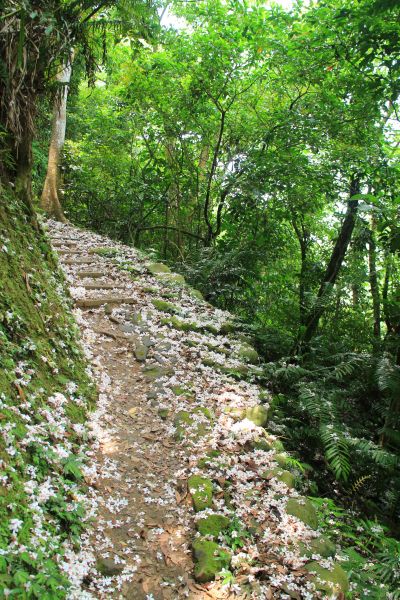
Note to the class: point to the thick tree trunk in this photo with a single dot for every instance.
(334, 265)
(50, 201)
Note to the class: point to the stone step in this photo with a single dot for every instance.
(102, 286)
(80, 261)
(96, 302)
(59, 243)
(91, 274)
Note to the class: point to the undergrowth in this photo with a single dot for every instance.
(45, 393)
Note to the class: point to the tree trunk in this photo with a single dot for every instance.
(334, 265)
(373, 281)
(50, 201)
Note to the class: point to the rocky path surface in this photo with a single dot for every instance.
(191, 497)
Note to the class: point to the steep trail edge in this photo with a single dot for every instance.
(184, 480)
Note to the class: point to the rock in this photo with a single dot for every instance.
(171, 278)
(212, 525)
(201, 490)
(228, 327)
(247, 353)
(258, 415)
(183, 419)
(209, 560)
(108, 568)
(304, 510)
(333, 581)
(163, 413)
(196, 293)
(165, 306)
(320, 545)
(281, 475)
(152, 372)
(282, 459)
(157, 268)
(141, 352)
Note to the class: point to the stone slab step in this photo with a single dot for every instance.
(91, 274)
(79, 261)
(102, 286)
(96, 302)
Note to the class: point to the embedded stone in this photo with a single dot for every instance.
(164, 306)
(201, 490)
(209, 560)
(285, 477)
(157, 268)
(320, 545)
(258, 415)
(212, 525)
(248, 353)
(141, 352)
(108, 568)
(304, 510)
(334, 580)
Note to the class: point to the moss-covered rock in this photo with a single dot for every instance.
(303, 509)
(201, 490)
(157, 268)
(333, 581)
(153, 372)
(285, 477)
(212, 525)
(248, 354)
(165, 306)
(258, 415)
(141, 352)
(186, 423)
(320, 545)
(171, 278)
(209, 560)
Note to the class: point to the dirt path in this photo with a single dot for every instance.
(178, 411)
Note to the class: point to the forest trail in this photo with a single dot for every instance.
(178, 409)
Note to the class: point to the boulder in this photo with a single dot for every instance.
(209, 559)
(304, 510)
(157, 268)
(248, 354)
(212, 525)
(333, 581)
(201, 490)
(258, 415)
(320, 545)
(285, 477)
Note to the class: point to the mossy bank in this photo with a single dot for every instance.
(45, 393)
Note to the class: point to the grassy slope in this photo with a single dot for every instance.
(44, 393)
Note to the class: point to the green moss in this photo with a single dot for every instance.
(333, 581)
(247, 353)
(209, 560)
(281, 475)
(201, 490)
(165, 306)
(157, 268)
(320, 545)
(212, 525)
(258, 415)
(304, 510)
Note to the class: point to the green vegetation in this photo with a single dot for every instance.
(42, 373)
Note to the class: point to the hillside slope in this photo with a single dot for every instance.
(45, 392)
